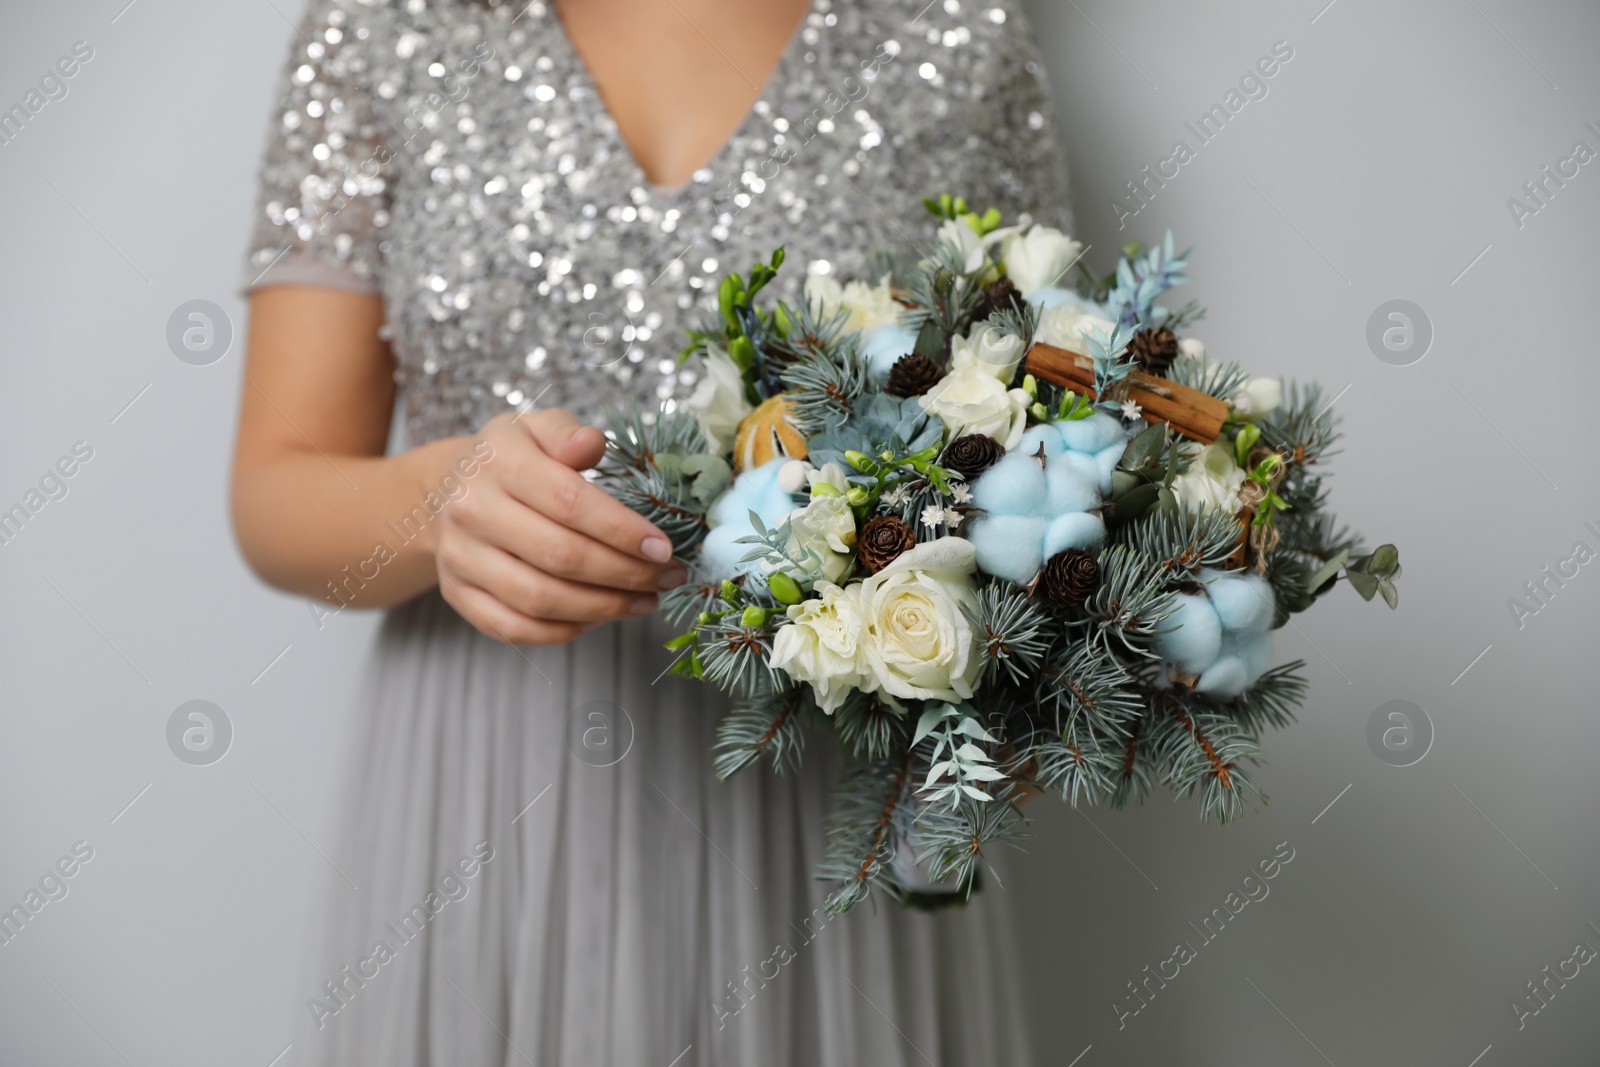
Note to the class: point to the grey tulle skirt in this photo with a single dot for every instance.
(536, 866)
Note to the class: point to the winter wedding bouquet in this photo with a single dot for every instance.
(997, 534)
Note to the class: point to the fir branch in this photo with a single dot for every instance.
(952, 841)
(1131, 602)
(1304, 429)
(1090, 690)
(867, 804)
(1014, 633)
(868, 728)
(736, 657)
(823, 379)
(1220, 380)
(1272, 700)
(1199, 750)
(1083, 767)
(768, 726)
(1134, 778)
(1185, 541)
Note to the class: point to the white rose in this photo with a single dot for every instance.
(989, 349)
(1259, 397)
(970, 400)
(1038, 258)
(1191, 348)
(821, 644)
(1212, 480)
(1066, 325)
(916, 639)
(826, 525)
(718, 403)
(869, 306)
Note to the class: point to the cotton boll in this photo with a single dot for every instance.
(882, 345)
(1192, 635)
(1105, 461)
(1256, 652)
(1096, 432)
(1008, 546)
(1043, 434)
(1073, 530)
(719, 556)
(1070, 488)
(1014, 486)
(1226, 678)
(1242, 601)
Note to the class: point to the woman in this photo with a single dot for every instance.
(507, 216)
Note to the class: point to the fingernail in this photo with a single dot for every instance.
(643, 605)
(673, 578)
(656, 548)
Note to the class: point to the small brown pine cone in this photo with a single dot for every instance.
(881, 540)
(999, 295)
(912, 375)
(971, 454)
(1069, 578)
(1154, 350)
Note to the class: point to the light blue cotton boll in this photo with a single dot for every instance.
(1043, 434)
(1225, 679)
(1242, 601)
(1014, 486)
(1256, 651)
(1097, 432)
(1008, 546)
(882, 345)
(1070, 487)
(1105, 462)
(755, 490)
(1192, 635)
(1074, 530)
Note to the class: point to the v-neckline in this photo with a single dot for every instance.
(587, 82)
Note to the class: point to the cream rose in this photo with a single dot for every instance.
(718, 402)
(972, 248)
(916, 640)
(1065, 326)
(821, 645)
(971, 400)
(869, 306)
(1212, 480)
(988, 348)
(1038, 259)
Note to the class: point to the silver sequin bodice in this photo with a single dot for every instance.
(454, 156)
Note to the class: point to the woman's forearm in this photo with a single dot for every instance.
(357, 531)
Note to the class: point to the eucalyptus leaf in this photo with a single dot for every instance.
(1327, 571)
(1363, 583)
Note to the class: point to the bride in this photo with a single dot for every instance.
(504, 216)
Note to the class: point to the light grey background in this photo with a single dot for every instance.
(1378, 167)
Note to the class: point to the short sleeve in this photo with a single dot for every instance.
(322, 205)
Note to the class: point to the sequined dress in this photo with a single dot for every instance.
(548, 871)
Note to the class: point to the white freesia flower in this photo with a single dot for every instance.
(970, 400)
(974, 249)
(821, 645)
(826, 525)
(1259, 397)
(988, 348)
(916, 639)
(1212, 480)
(1066, 325)
(870, 306)
(718, 403)
(1038, 258)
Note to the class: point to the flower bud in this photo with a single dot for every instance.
(785, 590)
(753, 617)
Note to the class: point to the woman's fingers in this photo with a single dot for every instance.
(565, 497)
(535, 594)
(494, 619)
(508, 524)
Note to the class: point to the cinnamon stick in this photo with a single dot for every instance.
(1192, 413)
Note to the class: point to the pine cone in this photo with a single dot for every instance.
(912, 375)
(1154, 350)
(971, 454)
(883, 539)
(999, 295)
(1069, 578)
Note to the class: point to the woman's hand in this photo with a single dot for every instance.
(533, 553)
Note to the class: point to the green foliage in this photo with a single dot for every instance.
(955, 733)
(769, 725)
